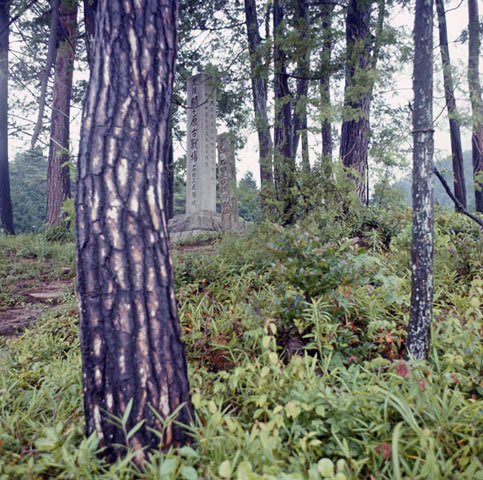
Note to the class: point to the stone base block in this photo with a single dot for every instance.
(184, 226)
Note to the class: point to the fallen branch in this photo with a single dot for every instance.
(460, 207)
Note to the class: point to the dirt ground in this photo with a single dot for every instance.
(36, 301)
(33, 304)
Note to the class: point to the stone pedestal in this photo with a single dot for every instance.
(185, 226)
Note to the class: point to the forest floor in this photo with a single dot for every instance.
(33, 300)
(33, 303)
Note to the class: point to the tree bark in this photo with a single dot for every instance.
(476, 101)
(58, 176)
(454, 124)
(284, 159)
(259, 76)
(422, 230)
(327, 39)
(354, 140)
(90, 9)
(303, 70)
(130, 333)
(6, 216)
(51, 51)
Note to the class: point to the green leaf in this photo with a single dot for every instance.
(135, 429)
(224, 470)
(326, 467)
(188, 473)
(188, 452)
(127, 412)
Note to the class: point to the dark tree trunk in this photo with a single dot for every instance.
(90, 8)
(284, 159)
(259, 75)
(303, 70)
(327, 39)
(6, 217)
(476, 102)
(58, 177)
(130, 333)
(422, 239)
(454, 124)
(354, 140)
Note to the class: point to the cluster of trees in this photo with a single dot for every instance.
(130, 337)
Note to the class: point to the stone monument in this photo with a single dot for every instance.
(227, 182)
(200, 216)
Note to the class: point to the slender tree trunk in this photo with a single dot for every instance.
(284, 159)
(51, 51)
(169, 177)
(6, 216)
(422, 238)
(130, 333)
(58, 176)
(90, 8)
(327, 39)
(354, 140)
(259, 75)
(303, 70)
(454, 124)
(476, 101)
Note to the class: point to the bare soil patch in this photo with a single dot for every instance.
(34, 303)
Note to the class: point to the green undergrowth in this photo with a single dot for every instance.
(342, 404)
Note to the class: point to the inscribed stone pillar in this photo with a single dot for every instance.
(227, 180)
(201, 148)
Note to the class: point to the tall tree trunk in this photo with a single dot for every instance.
(303, 70)
(325, 57)
(130, 333)
(51, 52)
(6, 216)
(422, 238)
(454, 124)
(58, 176)
(354, 140)
(90, 9)
(169, 178)
(284, 159)
(259, 77)
(476, 102)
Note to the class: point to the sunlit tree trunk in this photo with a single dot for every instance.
(422, 237)
(6, 216)
(58, 176)
(454, 123)
(476, 102)
(130, 333)
(259, 78)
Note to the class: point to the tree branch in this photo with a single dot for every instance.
(460, 207)
(16, 17)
